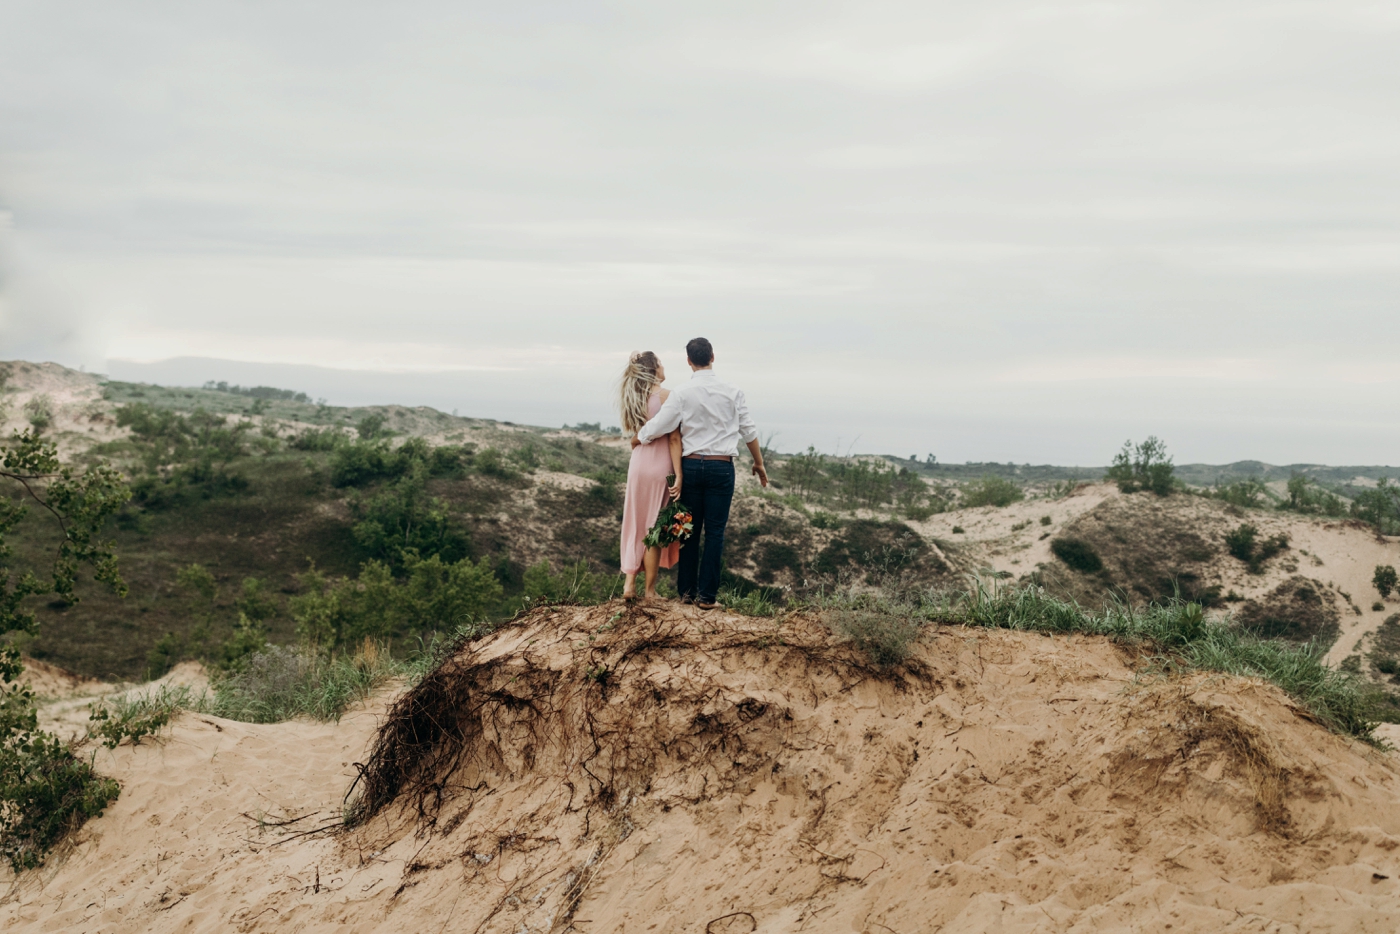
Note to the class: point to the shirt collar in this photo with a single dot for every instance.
(706, 374)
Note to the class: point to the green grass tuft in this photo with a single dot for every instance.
(280, 683)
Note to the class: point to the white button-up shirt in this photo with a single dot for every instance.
(712, 415)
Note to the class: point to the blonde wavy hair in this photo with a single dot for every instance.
(635, 388)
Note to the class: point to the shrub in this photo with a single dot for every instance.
(1240, 542)
(371, 427)
(1144, 467)
(433, 596)
(46, 792)
(574, 583)
(1377, 606)
(403, 518)
(162, 656)
(1248, 493)
(1385, 580)
(1077, 553)
(1045, 520)
(1306, 497)
(45, 789)
(885, 636)
(39, 411)
(318, 439)
(492, 463)
(1243, 544)
(134, 717)
(991, 491)
(959, 530)
(247, 640)
(1379, 507)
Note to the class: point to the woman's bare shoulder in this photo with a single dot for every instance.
(664, 394)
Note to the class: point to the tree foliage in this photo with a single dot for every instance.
(1145, 466)
(45, 790)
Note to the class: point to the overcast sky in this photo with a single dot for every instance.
(987, 231)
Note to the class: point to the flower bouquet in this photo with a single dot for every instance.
(674, 523)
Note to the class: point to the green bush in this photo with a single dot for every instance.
(46, 792)
(39, 412)
(991, 491)
(45, 789)
(401, 518)
(1243, 544)
(1384, 580)
(574, 583)
(1142, 467)
(492, 463)
(1077, 553)
(1306, 497)
(318, 439)
(433, 596)
(1248, 493)
(1379, 507)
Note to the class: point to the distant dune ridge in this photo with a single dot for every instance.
(736, 774)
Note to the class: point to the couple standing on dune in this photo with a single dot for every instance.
(691, 434)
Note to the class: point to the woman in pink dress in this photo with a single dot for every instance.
(640, 397)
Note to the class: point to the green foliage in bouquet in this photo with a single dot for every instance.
(674, 523)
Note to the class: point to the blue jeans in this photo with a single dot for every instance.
(707, 489)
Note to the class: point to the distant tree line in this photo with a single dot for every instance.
(270, 393)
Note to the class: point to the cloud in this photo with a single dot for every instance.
(1059, 214)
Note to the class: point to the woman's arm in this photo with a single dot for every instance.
(674, 439)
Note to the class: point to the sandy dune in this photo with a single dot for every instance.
(1339, 553)
(635, 771)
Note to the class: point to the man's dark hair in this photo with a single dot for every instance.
(699, 352)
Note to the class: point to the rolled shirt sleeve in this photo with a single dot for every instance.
(748, 431)
(665, 420)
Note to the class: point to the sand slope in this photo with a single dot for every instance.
(634, 771)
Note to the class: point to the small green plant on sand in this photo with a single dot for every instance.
(132, 718)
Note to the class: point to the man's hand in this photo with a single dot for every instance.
(635, 442)
(756, 452)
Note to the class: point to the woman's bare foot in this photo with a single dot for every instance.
(651, 596)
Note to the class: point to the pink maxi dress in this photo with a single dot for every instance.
(646, 494)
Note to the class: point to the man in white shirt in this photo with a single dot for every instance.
(713, 418)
